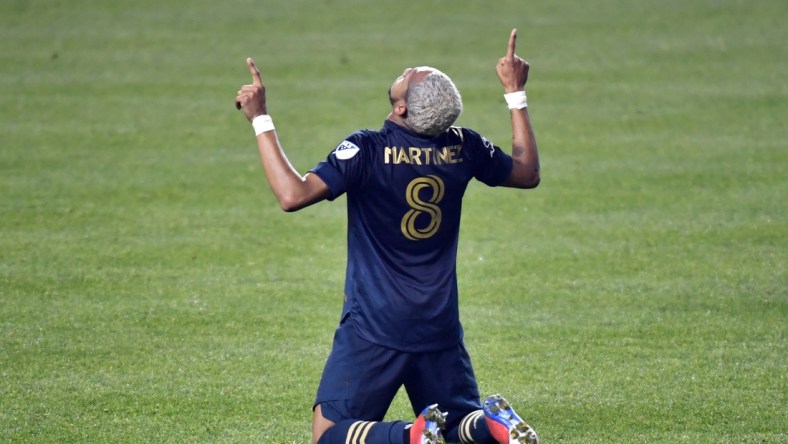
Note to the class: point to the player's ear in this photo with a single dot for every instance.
(400, 108)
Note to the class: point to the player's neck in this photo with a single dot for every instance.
(398, 120)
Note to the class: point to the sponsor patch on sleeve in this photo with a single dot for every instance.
(346, 150)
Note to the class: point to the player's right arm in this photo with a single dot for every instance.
(513, 73)
(292, 190)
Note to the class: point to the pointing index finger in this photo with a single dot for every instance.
(512, 40)
(256, 79)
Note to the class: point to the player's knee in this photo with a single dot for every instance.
(320, 425)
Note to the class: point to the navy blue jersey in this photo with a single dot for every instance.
(404, 198)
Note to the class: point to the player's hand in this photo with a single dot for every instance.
(512, 70)
(251, 98)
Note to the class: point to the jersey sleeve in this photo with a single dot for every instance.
(343, 168)
(492, 166)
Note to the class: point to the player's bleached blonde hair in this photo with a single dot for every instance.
(434, 104)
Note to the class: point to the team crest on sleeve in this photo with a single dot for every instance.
(346, 150)
(489, 145)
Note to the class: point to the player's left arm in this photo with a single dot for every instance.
(513, 73)
(525, 156)
(292, 190)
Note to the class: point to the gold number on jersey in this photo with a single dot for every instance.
(419, 207)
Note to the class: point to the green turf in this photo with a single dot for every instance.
(152, 291)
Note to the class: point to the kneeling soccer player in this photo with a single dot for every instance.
(400, 323)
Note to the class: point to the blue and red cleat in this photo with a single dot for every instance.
(428, 427)
(504, 424)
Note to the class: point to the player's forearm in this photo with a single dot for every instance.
(286, 183)
(525, 171)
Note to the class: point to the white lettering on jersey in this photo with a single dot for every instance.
(346, 150)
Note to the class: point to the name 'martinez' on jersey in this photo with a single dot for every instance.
(446, 155)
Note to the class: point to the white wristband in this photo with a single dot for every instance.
(516, 100)
(262, 123)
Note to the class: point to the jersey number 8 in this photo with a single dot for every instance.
(420, 207)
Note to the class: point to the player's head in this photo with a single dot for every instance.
(432, 102)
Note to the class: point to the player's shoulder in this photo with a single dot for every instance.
(364, 137)
(356, 143)
(463, 133)
(469, 138)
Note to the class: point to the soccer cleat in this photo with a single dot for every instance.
(504, 424)
(428, 427)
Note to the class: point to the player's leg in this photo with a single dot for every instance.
(447, 378)
(473, 429)
(427, 429)
(505, 425)
(319, 424)
(359, 382)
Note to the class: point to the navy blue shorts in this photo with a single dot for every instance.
(360, 380)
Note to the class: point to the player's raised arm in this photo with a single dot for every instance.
(292, 190)
(513, 73)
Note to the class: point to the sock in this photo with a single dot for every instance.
(362, 432)
(472, 429)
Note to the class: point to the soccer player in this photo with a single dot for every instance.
(400, 322)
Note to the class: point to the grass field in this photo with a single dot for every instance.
(152, 291)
